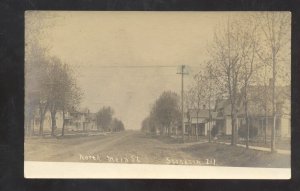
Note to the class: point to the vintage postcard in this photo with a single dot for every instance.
(184, 95)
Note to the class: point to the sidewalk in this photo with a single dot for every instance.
(280, 151)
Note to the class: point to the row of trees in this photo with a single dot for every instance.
(202, 92)
(106, 122)
(248, 50)
(165, 115)
(50, 86)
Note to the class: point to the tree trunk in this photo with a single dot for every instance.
(247, 125)
(209, 131)
(273, 149)
(209, 112)
(246, 115)
(234, 129)
(53, 120)
(266, 126)
(32, 130)
(209, 125)
(197, 134)
(42, 117)
(265, 108)
(233, 99)
(63, 126)
(27, 126)
(189, 129)
(41, 132)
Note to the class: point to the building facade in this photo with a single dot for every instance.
(197, 122)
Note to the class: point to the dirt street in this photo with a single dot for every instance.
(136, 147)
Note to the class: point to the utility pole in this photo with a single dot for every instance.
(182, 93)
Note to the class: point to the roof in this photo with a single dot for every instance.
(223, 106)
(202, 113)
(256, 103)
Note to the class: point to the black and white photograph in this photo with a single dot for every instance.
(134, 94)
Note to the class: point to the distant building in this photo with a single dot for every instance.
(198, 119)
(74, 121)
(82, 121)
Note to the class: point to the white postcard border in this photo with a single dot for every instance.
(147, 171)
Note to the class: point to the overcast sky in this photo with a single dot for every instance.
(127, 59)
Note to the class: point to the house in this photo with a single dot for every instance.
(90, 121)
(81, 120)
(259, 111)
(198, 120)
(74, 121)
(223, 114)
(47, 125)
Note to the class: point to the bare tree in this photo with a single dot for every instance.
(204, 90)
(117, 125)
(275, 27)
(71, 96)
(149, 124)
(104, 118)
(36, 89)
(189, 100)
(248, 60)
(36, 65)
(214, 91)
(145, 127)
(55, 76)
(63, 94)
(166, 111)
(197, 96)
(226, 53)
